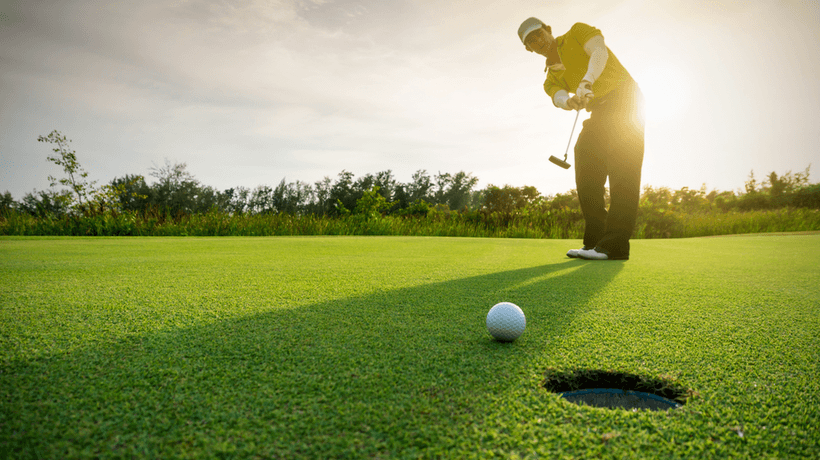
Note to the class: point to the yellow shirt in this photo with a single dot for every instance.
(576, 61)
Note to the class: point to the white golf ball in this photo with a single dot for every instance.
(506, 321)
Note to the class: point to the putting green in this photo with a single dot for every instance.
(328, 347)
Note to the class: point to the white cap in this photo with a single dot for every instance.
(528, 26)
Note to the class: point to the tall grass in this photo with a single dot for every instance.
(682, 225)
(562, 224)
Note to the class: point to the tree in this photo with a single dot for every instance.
(206, 199)
(565, 201)
(261, 201)
(413, 194)
(751, 184)
(458, 197)
(46, 203)
(386, 183)
(177, 190)
(234, 201)
(291, 198)
(134, 192)
(508, 200)
(690, 201)
(807, 197)
(371, 204)
(724, 200)
(443, 183)
(454, 190)
(420, 188)
(782, 188)
(342, 193)
(67, 158)
(660, 198)
(775, 192)
(118, 195)
(322, 193)
(6, 203)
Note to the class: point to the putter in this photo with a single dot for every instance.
(563, 163)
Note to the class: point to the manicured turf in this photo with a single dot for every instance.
(376, 347)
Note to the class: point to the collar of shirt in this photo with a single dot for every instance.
(555, 67)
(559, 66)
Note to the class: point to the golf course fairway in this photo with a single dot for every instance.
(376, 347)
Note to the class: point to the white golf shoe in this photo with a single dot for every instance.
(599, 254)
(576, 253)
(593, 254)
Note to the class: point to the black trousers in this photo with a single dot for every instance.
(611, 144)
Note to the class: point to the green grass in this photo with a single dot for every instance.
(375, 347)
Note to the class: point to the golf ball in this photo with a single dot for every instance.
(506, 321)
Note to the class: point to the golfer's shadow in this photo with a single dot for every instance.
(552, 295)
(420, 351)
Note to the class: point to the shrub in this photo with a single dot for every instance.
(807, 197)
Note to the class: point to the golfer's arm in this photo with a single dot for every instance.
(598, 55)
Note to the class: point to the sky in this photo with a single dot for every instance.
(251, 92)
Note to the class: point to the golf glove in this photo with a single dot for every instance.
(584, 92)
(560, 99)
(576, 103)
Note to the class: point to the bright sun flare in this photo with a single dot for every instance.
(666, 91)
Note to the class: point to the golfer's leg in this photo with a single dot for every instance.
(590, 177)
(625, 166)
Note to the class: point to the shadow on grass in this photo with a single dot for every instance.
(394, 372)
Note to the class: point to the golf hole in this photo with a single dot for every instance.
(616, 390)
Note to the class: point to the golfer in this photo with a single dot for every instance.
(611, 143)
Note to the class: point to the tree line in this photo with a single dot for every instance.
(175, 192)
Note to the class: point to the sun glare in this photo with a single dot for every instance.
(666, 91)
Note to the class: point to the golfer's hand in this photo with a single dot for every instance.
(576, 103)
(584, 92)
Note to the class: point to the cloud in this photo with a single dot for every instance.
(246, 92)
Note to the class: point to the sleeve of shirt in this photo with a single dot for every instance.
(582, 32)
(552, 85)
(598, 55)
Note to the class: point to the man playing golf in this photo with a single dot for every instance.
(611, 143)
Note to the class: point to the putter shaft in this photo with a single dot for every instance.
(577, 112)
(563, 163)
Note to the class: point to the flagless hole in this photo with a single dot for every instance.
(617, 390)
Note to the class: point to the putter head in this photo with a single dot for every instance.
(559, 162)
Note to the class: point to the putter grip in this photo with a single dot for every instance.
(559, 162)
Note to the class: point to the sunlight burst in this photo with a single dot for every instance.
(667, 93)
